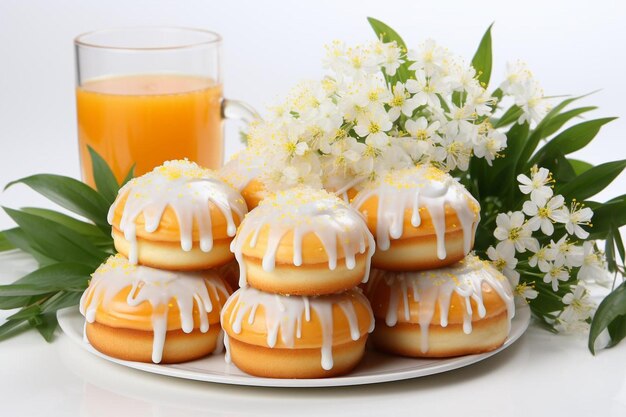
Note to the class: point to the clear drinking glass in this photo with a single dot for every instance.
(147, 95)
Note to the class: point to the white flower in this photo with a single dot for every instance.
(541, 258)
(514, 232)
(392, 58)
(529, 97)
(429, 57)
(537, 184)
(401, 103)
(420, 129)
(479, 100)
(503, 258)
(543, 212)
(372, 126)
(578, 309)
(573, 217)
(488, 146)
(593, 268)
(516, 72)
(526, 291)
(555, 273)
(372, 93)
(425, 89)
(566, 253)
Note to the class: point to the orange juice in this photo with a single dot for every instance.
(147, 119)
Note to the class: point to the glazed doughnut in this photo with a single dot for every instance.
(142, 314)
(277, 336)
(422, 218)
(458, 310)
(178, 216)
(243, 172)
(303, 241)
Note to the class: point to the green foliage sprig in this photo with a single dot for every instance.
(67, 249)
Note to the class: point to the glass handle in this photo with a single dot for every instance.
(238, 110)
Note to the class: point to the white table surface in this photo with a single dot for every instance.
(541, 374)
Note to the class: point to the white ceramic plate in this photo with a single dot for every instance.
(375, 367)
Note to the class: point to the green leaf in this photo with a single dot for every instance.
(60, 276)
(617, 330)
(5, 243)
(48, 324)
(70, 194)
(579, 166)
(570, 140)
(129, 176)
(560, 167)
(510, 116)
(26, 313)
(103, 177)
(606, 216)
(12, 328)
(56, 241)
(10, 303)
(84, 228)
(503, 170)
(60, 300)
(559, 120)
(592, 181)
(540, 132)
(483, 59)
(18, 238)
(612, 308)
(385, 33)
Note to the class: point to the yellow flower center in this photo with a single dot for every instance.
(514, 233)
(374, 127)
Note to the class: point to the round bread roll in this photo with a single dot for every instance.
(459, 310)
(137, 313)
(278, 336)
(178, 216)
(303, 241)
(422, 218)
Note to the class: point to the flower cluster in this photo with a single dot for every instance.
(364, 118)
(527, 246)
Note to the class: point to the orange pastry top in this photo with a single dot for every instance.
(177, 201)
(464, 292)
(302, 226)
(123, 295)
(417, 201)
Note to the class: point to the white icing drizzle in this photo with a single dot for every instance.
(189, 190)
(160, 288)
(305, 210)
(284, 315)
(435, 287)
(242, 168)
(413, 188)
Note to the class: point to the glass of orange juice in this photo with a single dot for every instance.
(147, 95)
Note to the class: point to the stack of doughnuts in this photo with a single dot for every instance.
(298, 312)
(160, 298)
(430, 296)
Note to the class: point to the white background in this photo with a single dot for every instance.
(573, 47)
